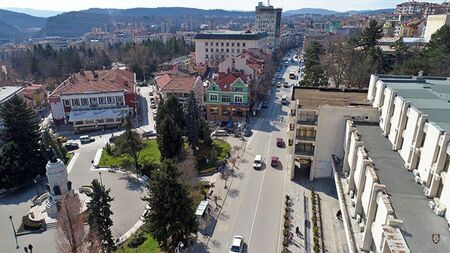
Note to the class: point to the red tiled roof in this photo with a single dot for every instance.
(103, 81)
(163, 80)
(181, 84)
(225, 83)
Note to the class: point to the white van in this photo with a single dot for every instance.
(86, 139)
(257, 163)
(284, 100)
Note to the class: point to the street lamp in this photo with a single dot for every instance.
(100, 175)
(37, 189)
(179, 247)
(14, 230)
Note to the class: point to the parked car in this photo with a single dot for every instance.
(257, 163)
(280, 142)
(274, 161)
(237, 246)
(69, 146)
(149, 134)
(86, 139)
(279, 85)
(219, 133)
(247, 132)
(286, 84)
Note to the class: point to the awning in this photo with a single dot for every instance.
(98, 114)
(201, 208)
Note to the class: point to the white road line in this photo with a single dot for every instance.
(72, 162)
(260, 191)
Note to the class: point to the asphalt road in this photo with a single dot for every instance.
(254, 204)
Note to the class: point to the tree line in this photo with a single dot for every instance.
(42, 63)
(350, 63)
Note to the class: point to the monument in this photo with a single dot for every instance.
(58, 183)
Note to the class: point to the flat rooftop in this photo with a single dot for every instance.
(430, 95)
(314, 98)
(408, 200)
(230, 35)
(8, 91)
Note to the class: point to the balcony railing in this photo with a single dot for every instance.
(304, 152)
(311, 122)
(306, 138)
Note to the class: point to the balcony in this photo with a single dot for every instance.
(312, 122)
(308, 153)
(304, 149)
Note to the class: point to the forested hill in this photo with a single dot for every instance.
(167, 12)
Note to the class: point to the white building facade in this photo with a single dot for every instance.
(213, 47)
(268, 19)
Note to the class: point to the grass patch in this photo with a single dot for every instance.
(69, 157)
(218, 152)
(149, 154)
(149, 246)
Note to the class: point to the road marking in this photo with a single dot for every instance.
(72, 162)
(260, 191)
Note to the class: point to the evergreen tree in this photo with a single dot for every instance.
(192, 122)
(171, 217)
(50, 141)
(99, 216)
(174, 109)
(169, 138)
(20, 135)
(130, 143)
(371, 34)
(314, 71)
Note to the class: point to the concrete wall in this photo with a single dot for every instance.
(434, 23)
(331, 134)
(428, 152)
(409, 136)
(398, 122)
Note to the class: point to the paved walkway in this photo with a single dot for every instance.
(299, 190)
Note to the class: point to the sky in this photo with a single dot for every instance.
(69, 5)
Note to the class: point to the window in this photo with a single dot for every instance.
(221, 44)
(232, 44)
(232, 50)
(228, 44)
(206, 50)
(226, 99)
(213, 97)
(238, 99)
(217, 50)
(238, 44)
(84, 102)
(93, 101)
(243, 44)
(238, 50)
(212, 50)
(238, 89)
(228, 50)
(221, 50)
(75, 102)
(206, 43)
(119, 100)
(101, 100)
(110, 100)
(206, 56)
(66, 103)
(217, 44)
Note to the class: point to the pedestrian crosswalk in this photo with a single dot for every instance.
(277, 119)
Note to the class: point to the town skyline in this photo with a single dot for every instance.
(64, 6)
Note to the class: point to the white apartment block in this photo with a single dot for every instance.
(394, 189)
(268, 19)
(212, 47)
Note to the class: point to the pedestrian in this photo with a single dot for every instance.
(297, 230)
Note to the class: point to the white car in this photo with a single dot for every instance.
(237, 245)
(257, 163)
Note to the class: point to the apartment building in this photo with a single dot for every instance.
(320, 124)
(268, 19)
(434, 23)
(212, 47)
(180, 86)
(228, 98)
(395, 171)
(92, 100)
(420, 8)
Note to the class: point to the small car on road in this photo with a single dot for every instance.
(237, 246)
(280, 142)
(70, 146)
(86, 139)
(257, 163)
(219, 133)
(274, 161)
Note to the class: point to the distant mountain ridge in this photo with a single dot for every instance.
(326, 12)
(34, 12)
(21, 21)
(168, 11)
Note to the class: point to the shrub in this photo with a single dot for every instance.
(316, 249)
(286, 224)
(108, 149)
(287, 197)
(285, 232)
(285, 242)
(286, 216)
(136, 240)
(31, 225)
(287, 209)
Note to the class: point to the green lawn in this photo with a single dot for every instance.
(222, 148)
(149, 154)
(149, 246)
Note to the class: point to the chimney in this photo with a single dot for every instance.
(125, 83)
(95, 75)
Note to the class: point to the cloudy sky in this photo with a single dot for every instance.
(68, 5)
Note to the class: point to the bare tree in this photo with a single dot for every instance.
(70, 233)
(187, 166)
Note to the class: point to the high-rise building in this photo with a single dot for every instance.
(268, 19)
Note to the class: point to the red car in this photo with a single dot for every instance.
(280, 142)
(274, 162)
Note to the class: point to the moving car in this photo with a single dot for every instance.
(274, 161)
(279, 85)
(86, 139)
(237, 245)
(257, 163)
(280, 142)
(149, 134)
(69, 146)
(219, 133)
(286, 84)
(284, 100)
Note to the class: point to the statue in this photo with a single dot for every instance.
(51, 155)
